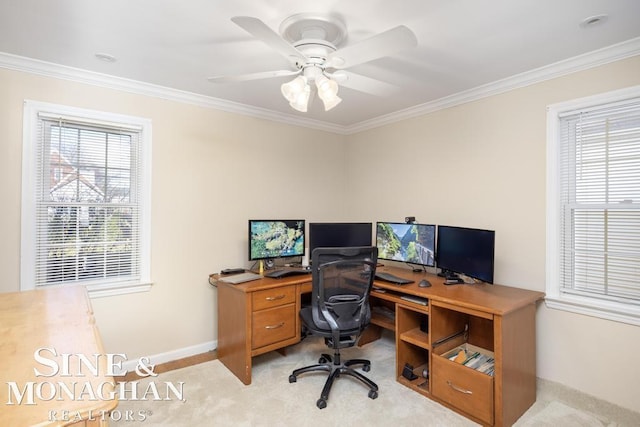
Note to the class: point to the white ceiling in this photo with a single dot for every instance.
(463, 45)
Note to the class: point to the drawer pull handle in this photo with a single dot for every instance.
(275, 298)
(461, 390)
(279, 325)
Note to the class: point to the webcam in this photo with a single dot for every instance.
(409, 219)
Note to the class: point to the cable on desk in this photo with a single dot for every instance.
(417, 269)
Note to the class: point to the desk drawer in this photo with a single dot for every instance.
(273, 325)
(465, 388)
(273, 297)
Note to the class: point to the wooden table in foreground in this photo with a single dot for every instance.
(32, 392)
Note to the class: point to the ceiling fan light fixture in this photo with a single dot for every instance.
(326, 86)
(292, 90)
(328, 92)
(312, 43)
(301, 100)
(331, 102)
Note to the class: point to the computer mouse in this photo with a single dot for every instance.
(424, 283)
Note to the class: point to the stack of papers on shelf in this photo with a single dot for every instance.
(477, 360)
(473, 358)
(487, 367)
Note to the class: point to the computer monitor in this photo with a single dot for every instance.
(467, 251)
(411, 243)
(339, 234)
(269, 239)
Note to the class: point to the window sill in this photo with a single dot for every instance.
(122, 288)
(602, 309)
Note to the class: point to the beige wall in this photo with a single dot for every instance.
(211, 172)
(481, 164)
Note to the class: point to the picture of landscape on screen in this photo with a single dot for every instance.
(276, 239)
(411, 243)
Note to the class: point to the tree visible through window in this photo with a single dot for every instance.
(89, 206)
(89, 215)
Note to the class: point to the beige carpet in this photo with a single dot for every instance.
(557, 414)
(214, 397)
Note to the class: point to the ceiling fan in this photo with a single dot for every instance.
(311, 43)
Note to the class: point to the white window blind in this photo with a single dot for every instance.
(599, 202)
(85, 201)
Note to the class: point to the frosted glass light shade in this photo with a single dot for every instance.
(301, 100)
(331, 102)
(328, 92)
(294, 88)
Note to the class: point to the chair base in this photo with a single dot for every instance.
(326, 364)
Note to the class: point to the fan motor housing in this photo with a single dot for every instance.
(313, 26)
(315, 49)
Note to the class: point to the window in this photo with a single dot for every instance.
(85, 200)
(593, 206)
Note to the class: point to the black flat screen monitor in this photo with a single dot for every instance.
(279, 238)
(339, 234)
(411, 243)
(468, 251)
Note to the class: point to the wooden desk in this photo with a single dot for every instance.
(59, 318)
(262, 315)
(257, 317)
(498, 319)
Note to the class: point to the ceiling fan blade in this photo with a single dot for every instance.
(364, 84)
(252, 76)
(262, 32)
(383, 44)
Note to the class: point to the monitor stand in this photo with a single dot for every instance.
(450, 277)
(447, 274)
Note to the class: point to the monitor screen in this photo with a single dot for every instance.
(410, 243)
(276, 238)
(468, 251)
(339, 234)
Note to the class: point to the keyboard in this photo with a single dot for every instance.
(391, 278)
(241, 278)
(276, 274)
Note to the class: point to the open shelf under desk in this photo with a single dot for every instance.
(397, 297)
(384, 305)
(387, 295)
(416, 337)
(420, 384)
(383, 322)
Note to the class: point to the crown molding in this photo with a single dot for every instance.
(585, 61)
(582, 62)
(48, 69)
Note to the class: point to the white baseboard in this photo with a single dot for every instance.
(169, 356)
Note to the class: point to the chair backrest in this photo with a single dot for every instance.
(342, 280)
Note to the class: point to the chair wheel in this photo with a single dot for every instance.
(321, 403)
(373, 394)
(292, 378)
(322, 360)
(366, 368)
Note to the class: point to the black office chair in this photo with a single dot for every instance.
(339, 311)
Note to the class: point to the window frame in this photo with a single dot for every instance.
(32, 110)
(555, 298)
